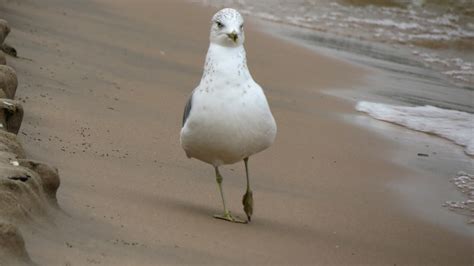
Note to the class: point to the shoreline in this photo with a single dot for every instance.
(447, 158)
(379, 31)
(386, 64)
(114, 81)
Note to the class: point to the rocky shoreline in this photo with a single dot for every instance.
(27, 187)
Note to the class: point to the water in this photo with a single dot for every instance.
(450, 124)
(438, 34)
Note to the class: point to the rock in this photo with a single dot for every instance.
(4, 30)
(3, 59)
(8, 81)
(49, 177)
(12, 246)
(8, 157)
(11, 115)
(21, 194)
(8, 49)
(8, 143)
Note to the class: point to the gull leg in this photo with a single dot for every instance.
(226, 216)
(247, 199)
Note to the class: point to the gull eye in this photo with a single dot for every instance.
(219, 25)
(242, 27)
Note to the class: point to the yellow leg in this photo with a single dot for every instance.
(226, 216)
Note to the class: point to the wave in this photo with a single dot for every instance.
(454, 125)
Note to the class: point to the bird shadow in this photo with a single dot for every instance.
(205, 213)
(184, 206)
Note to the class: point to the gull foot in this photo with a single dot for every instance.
(247, 201)
(228, 217)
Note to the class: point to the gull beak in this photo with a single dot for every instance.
(233, 36)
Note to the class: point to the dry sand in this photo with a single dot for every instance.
(104, 85)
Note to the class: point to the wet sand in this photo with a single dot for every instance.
(105, 84)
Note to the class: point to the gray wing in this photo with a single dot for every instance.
(187, 108)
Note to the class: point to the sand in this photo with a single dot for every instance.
(104, 85)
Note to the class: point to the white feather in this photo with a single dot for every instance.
(230, 118)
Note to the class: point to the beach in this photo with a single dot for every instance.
(104, 84)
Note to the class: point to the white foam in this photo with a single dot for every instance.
(464, 183)
(385, 23)
(450, 124)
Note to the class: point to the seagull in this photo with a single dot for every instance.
(227, 118)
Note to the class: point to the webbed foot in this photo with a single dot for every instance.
(247, 201)
(228, 217)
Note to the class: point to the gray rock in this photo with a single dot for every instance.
(8, 81)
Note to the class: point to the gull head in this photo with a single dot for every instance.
(227, 28)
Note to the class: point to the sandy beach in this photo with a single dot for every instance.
(103, 85)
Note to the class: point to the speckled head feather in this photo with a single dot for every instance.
(227, 28)
(228, 14)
